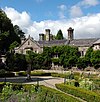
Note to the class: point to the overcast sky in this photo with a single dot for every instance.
(34, 16)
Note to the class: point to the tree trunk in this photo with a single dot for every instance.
(29, 72)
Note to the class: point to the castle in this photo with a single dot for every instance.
(47, 41)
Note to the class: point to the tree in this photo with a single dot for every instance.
(7, 34)
(30, 61)
(95, 58)
(81, 63)
(13, 45)
(88, 56)
(47, 57)
(16, 62)
(69, 56)
(19, 32)
(59, 35)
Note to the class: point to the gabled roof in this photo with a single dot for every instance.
(83, 42)
(97, 42)
(52, 42)
(30, 38)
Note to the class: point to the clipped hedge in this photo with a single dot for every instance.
(44, 94)
(34, 73)
(60, 75)
(51, 95)
(8, 74)
(89, 96)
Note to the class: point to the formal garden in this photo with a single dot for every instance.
(85, 86)
(82, 85)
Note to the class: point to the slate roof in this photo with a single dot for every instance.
(74, 42)
(83, 42)
(52, 42)
(97, 42)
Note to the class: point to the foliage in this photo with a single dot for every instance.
(51, 95)
(16, 62)
(13, 45)
(19, 32)
(34, 73)
(7, 34)
(88, 96)
(95, 58)
(81, 63)
(59, 35)
(55, 61)
(7, 74)
(87, 84)
(65, 75)
(27, 93)
(88, 56)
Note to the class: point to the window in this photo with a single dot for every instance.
(28, 43)
(82, 53)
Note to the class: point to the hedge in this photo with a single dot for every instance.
(8, 74)
(60, 75)
(34, 73)
(88, 96)
(45, 94)
(51, 95)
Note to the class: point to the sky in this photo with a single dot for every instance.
(34, 16)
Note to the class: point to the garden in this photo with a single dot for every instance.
(85, 86)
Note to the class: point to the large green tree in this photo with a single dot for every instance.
(59, 35)
(19, 32)
(16, 62)
(7, 33)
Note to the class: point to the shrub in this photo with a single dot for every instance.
(34, 73)
(51, 95)
(66, 75)
(28, 94)
(89, 96)
(7, 74)
(1, 85)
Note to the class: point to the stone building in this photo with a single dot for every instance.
(47, 40)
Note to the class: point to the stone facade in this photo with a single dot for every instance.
(96, 45)
(37, 46)
(29, 45)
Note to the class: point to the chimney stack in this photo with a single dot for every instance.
(47, 32)
(70, 33)
(41, 37)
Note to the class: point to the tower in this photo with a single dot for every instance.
(47, 32)
(70, 33)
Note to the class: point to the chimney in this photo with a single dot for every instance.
(47, 32)
(22, 40)
(70, 34)
(41, 37)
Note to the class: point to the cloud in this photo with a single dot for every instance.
(62, 11)
(22, 19)
(76, 11)
(62, 7)
(84, 27)
(89, 2)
